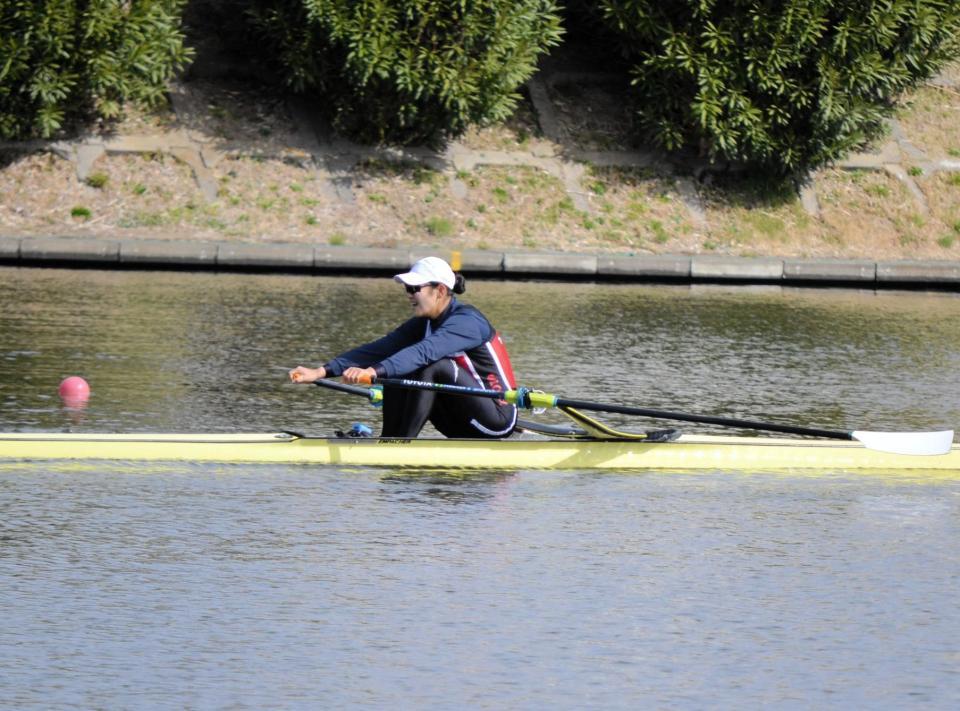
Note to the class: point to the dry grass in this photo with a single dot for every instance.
(869, 212)
(520, 132)
(930, 117)
(265, 195)
(641, 210)
(748, 217)
(236, 117)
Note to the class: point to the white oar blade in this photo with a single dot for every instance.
(919, 443)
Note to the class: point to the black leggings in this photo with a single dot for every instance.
(405, 412)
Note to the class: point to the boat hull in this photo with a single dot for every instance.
(689, 452)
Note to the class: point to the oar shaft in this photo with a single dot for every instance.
(704, 419)
(374, 395)
(528, 399)
(343, 387)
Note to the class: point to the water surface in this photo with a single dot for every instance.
(235, 586)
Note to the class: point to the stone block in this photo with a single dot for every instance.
(241, 254)
(736, 268)
(919, 272)
(471, 261)
(366, 258)
(474, 261)
(533, 263)
(69, 249)
(829, 270)
(644, 265)
(9, 247)
(168, 252)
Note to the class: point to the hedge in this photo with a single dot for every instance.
(408, 70)
(73, 60)
(787, 85)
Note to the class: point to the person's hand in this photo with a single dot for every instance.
(359, 376)
(300, 374)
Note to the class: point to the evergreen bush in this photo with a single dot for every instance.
(408, 70)
(64, 60)
(788, 85)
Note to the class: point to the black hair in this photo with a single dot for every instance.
(459, 283)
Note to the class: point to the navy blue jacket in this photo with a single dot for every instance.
(461, 332)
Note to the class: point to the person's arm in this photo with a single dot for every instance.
(362, 357)
(461, 331)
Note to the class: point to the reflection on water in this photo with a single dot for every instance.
(129, 585)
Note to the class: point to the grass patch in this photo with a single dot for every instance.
(97, 180)
(439, 226)
(660, 234)
(81, 213)
(766, 224)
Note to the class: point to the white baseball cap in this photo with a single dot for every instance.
(426, 270)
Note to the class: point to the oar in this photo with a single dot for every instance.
(925, 443)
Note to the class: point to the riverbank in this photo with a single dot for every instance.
(300, 258)
(233, 164)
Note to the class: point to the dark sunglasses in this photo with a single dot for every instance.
(415, 289)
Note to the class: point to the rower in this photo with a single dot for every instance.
(446, 341)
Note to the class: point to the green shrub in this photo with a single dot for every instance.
(408, 70)
(69, 60)
(786, 84)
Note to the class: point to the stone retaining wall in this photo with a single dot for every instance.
(305, 258)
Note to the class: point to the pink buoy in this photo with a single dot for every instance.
(74, 390)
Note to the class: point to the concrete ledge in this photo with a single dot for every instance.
(550, 263)
(481, 261)
(265, 255)
(472, 261)
(168, 252)
(84, 251)
(738, 268)
(918, 272)
(830, 269)
(644, 265)
(74, 249)
(9, 248)
(361, 258)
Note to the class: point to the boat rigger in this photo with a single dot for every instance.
(687, 452)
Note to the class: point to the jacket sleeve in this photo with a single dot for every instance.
(462, 331)
(369, 354)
